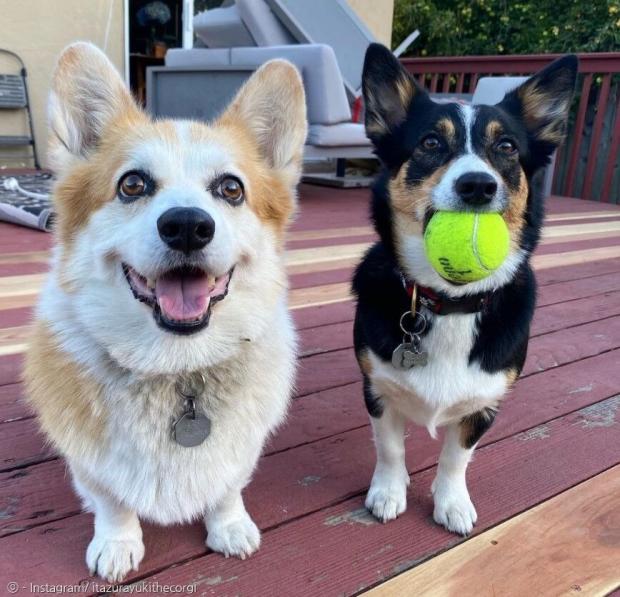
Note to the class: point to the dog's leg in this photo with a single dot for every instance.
(230, 530)
(387, 496)
(453, 506)
(116, 547)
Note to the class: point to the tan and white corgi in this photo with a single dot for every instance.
(163, 353)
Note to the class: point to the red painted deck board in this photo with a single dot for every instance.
(307, 557)
(505, 477)
(12, 406)
(344, 458)
(308, 491)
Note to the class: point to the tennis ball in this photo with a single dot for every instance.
(464, 246)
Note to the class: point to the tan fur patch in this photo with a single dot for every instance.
(90, 184)
(473, 426)
(492, 131)
(268, 194)
(405, 89)
(515, 214)
(446, 127)
(388, 108)
(364, 362)
(511, 376)
(539, 107)
(408, 200)
(69, 404)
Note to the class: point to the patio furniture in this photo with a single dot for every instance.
(331, 133)
(250, 32)
(14, 96)
(491, 91)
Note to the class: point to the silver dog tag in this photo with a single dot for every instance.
(406, 356)
(191, 429)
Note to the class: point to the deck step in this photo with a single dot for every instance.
(561, 546)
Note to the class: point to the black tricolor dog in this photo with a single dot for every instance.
(468, 345)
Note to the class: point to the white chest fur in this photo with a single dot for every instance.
(448, 387)
(137, 461)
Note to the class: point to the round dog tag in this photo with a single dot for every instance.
(191, 429)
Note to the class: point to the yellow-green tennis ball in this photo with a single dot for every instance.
(465, 247)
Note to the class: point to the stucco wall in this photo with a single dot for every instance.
(38, 30)
(377, 15)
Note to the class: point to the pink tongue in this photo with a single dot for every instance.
(183, 297)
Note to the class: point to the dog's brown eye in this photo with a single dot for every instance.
(506, 146)
(132, 185)
(430, 142)
(231, 189)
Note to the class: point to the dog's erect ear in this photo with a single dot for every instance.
(272, 106)
(543, 102)
(87, 94)
(388, 91)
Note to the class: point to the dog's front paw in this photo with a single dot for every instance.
(113, 559)
(387, 496)
(453, 507)
(239, 537)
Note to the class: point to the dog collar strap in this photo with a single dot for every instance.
(445, 305)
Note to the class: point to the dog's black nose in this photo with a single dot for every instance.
(186, 228)
(476, 188)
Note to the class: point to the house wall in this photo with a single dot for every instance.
(377, 15)
(38, 30)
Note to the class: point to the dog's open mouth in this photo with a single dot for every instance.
(181, 298)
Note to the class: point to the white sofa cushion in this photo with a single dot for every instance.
(197, 57)
(337, 135)
(222, 28)
(265, 27)
(326, 97)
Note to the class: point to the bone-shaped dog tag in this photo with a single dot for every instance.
(407, 355)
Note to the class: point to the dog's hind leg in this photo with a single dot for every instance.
(117, 546)
(453, 506)
(230, 530)
(387, 496)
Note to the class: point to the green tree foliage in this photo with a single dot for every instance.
(472, 27)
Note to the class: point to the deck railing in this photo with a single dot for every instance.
(588, 166)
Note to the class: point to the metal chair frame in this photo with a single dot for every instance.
(14, 96)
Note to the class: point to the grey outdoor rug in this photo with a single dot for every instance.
(25, 200)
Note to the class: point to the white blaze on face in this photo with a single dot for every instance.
(444, 196)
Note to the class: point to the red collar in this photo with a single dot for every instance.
(441, 304)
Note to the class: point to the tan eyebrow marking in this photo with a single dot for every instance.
(446, 127)
(493, 130)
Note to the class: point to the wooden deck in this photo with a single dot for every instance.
(545, 480)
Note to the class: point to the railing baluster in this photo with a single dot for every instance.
(612, 156)
(459, 82)
(577, 135)
(597, 129)
(434, 80)
(446, 83)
